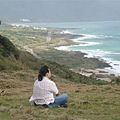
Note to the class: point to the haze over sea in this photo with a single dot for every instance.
(100, 39)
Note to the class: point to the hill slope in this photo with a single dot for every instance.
(9, 55)
(86, 102)
(7, 48)
(12, 58)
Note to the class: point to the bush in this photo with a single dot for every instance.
(117, 80)
(8, 47)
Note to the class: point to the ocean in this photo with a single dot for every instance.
(100, 40)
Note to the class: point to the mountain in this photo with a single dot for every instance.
(59, 10)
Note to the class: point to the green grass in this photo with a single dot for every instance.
(5, 116)
(86, 102)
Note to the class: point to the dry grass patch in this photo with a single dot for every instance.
(86, 102)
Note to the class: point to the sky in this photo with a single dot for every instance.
(59, 10)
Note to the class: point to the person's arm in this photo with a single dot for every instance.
(54, 89)
(58, 94)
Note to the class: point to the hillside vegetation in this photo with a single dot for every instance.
(28, 60)
(9, 55)
(89, 99)
(7, 48)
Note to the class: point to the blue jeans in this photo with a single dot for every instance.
(59, 100)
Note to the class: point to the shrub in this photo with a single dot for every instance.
(8, 47)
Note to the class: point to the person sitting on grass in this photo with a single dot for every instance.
(45, 91)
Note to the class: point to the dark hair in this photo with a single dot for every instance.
(42, 72)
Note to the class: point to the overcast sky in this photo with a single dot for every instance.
(59, 10)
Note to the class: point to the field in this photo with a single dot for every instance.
(86, 102)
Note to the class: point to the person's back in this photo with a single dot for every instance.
(45, 90)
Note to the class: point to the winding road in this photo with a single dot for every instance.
(31, 51)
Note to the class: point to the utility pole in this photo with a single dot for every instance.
(0, 22)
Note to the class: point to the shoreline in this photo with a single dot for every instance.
(65, 39)
(99, 73)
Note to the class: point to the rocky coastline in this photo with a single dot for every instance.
(99, 72)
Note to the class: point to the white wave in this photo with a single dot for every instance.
(105, 36)
(108, 36)
(99, 54)
(87, 44)
(86, 37)
(116, 53)
(65, 32)
(81, 44)
(65, 48)
(94, 53)
(114, 69)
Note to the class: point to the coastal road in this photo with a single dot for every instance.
(31, 51)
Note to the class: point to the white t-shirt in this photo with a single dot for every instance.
(44, 91)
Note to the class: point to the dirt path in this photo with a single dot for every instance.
(31, 51)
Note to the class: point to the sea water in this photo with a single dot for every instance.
(100, 40)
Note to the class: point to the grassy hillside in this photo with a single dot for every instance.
(7, 48)
(23, 58)
(9, 55)
(60, 70)
(86, 102)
